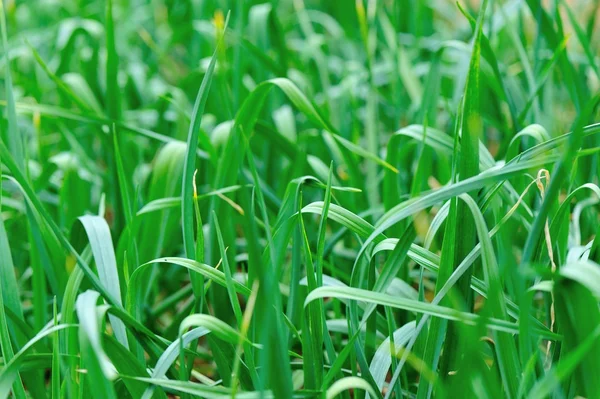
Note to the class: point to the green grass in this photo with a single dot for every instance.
(297, 198)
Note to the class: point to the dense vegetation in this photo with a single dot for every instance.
(299, 198)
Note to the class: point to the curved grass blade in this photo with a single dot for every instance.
(99, 365)
(415, 306)
(100, 240)
(347, 383)
(170, 355)
(382, 360)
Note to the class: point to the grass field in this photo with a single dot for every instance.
(299, 198)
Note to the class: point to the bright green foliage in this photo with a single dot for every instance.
(299, 199)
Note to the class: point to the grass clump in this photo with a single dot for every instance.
(299, 199)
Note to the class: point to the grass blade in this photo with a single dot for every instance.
(111, 276)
